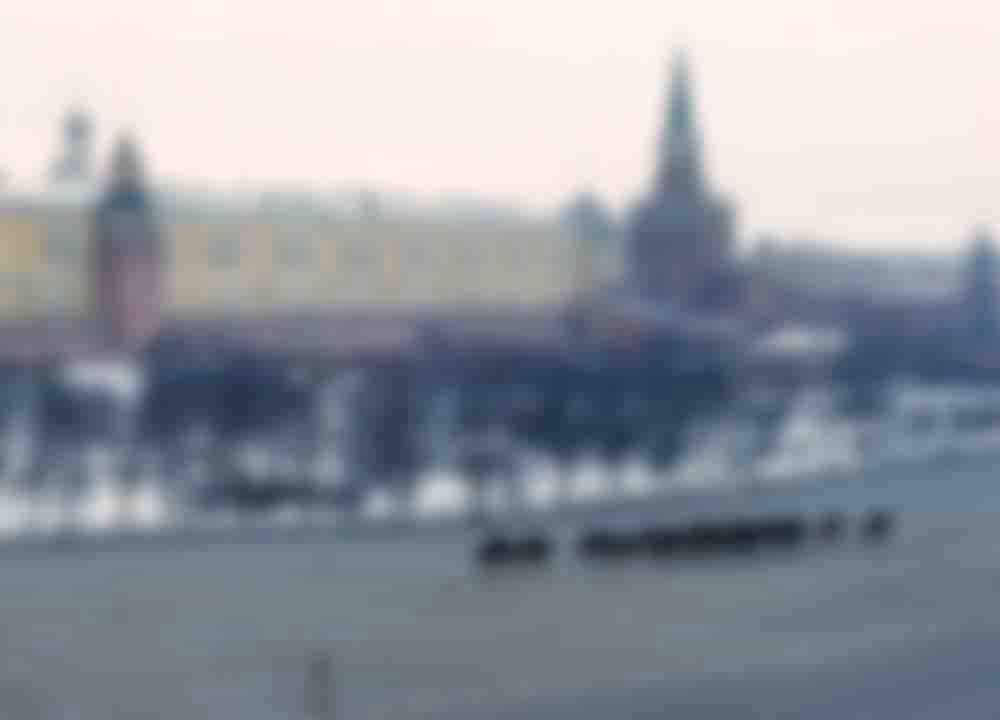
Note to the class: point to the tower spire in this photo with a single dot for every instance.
(126, 180)
(681, 235)
(128, 269)
(680, 144)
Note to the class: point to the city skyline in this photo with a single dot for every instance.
(869, 127)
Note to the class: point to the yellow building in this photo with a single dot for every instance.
(42, 256)
(261, 262)
(260, 257)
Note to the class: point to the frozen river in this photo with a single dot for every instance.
(222, 628)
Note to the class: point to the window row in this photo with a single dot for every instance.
(227, 251)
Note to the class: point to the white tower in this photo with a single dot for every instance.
(73, 167)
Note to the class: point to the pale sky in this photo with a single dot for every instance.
(872, 123)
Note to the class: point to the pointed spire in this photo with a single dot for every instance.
(680, 94)
(680, 144)
(126, 162)
(127, 180)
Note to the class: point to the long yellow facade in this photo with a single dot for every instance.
(42, 261)
(256, 262)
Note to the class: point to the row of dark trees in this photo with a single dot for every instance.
(611, 404)
(866, 368)
(614, 404)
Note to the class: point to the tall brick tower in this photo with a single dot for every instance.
(128, 256)
(681, 233)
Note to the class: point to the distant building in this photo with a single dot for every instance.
(598, 242)
(827, 271)
(681, 235)
(983, 324)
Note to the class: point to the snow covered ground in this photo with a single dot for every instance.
(222, 629)
(812, 444)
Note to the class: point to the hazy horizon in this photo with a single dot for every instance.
(866, 125)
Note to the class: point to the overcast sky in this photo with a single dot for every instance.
(875, 123)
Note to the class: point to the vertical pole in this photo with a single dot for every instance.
(319, 688)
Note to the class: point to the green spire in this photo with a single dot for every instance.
(680, 144)
(127, 181)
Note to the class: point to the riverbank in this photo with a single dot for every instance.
(224, 629)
